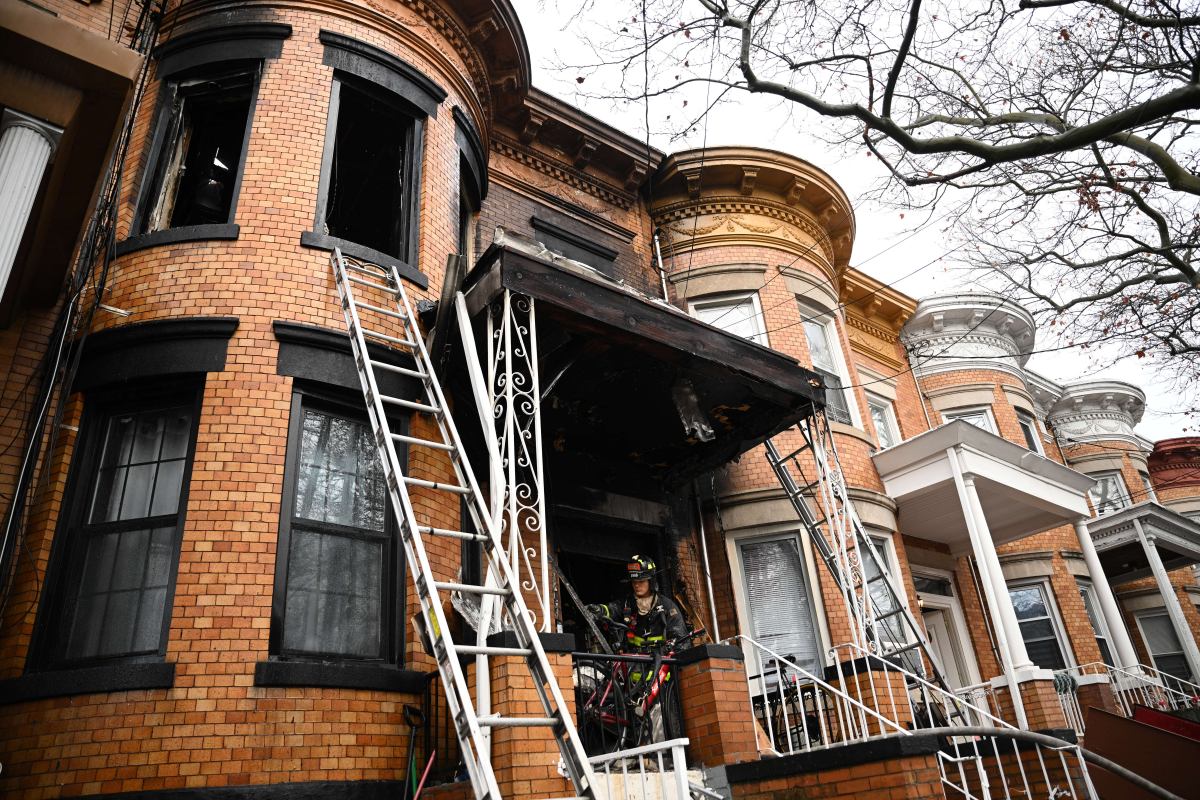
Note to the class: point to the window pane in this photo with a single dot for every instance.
(365, 201)
(835, 397)
(977, 418)
(130, 475)
(737, 316)
(339, 478)
(118, 606)
(777, 593)
(1028, 602)
(1029, 431)
(334, 595)
(929, 585)
(819, 349)
(1109, 493)
(883, 425)
(1046, 654)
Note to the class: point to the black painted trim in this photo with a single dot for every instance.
(379, 66)
(599, 250)
(918, 744)
(150, 349)
(88, 680)
(322, 241)
(225, 231)
(337, 675)
(470, 145)
(306, 790)
(703, 652)
(325, 356)
(245, 41)
(551, 642)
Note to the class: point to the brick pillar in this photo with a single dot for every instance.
(716, 705)
(1097, 692)
(1043, 710)
(526, 759)
(869, 681)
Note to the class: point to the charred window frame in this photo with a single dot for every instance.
(368, 198)
(193, 176)
(202, 153)
(472, 182)
(110, 593)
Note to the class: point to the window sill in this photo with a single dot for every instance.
(321, 241)
(88, 680)
(334, 675)
(189, 233)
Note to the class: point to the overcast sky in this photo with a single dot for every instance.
(911, 250)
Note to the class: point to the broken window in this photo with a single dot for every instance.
(820, 332)
(201, 156)
(367, 195)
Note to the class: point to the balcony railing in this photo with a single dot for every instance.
(612, 701)
(651, 772)
(1143, 686)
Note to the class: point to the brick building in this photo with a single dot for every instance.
(204, 591)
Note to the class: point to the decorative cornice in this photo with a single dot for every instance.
(597, 215)
(725, 211)
(1097, 411)
(878, 331)
(968, 331)
(873, 341)
(562, 172)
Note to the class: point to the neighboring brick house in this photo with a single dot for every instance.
(203, 589)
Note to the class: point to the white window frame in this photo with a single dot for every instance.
(730, 300)
(1025, 418)
(741, 603)
(827, 320)
(1148, 486)
(1055, 616)
(952, 604)
(1122, 491)
(888, 409)
(882, 539)
(1088, 588)
(951, 414)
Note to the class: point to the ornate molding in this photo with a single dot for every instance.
(562, 172)
(1098, 411)
(730, 212)
(555, 193)
(969, 331)
(873, 341)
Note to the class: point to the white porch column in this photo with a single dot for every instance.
(987, 552)
(1170, 600)
(1126, 655)
(981, 539)
(26, 146)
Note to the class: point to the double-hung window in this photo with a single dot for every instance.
(1092, 606)
(1029, 430)
(738, 314)
(883, 415)
(338, 571)
(826, 357)
(1109, 493)
(116, 573)
(1040, 628)
(778, 599)
(1163, 644)
(979, 417)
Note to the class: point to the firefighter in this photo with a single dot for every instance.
(652, 618)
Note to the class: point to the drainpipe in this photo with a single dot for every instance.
(712, 602)
(662, 273)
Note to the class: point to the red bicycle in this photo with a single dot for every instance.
(629, 699)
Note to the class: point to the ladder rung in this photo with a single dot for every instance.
(470, 537)
(477, 650)
(412, 373)
(371, 284)
(471, 588)
(399, 437)
(443, 487)
(518, 722)
(386, 338)
(900, 650)
(355, 267)
(389, 312)
(409, 404)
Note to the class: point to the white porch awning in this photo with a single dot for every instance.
(1176, 537)
(1022, 493)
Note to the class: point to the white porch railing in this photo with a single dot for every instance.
(652, 772)
(991, 758)
(1146, 686)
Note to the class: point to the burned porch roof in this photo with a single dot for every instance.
(636, 394)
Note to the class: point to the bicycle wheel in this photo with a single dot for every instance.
(672, 713)
(603, 717)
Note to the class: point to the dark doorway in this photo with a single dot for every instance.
(592, 553)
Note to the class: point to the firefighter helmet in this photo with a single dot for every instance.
(640, 568)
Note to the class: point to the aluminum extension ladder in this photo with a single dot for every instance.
(468, 724)
(875, 605)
